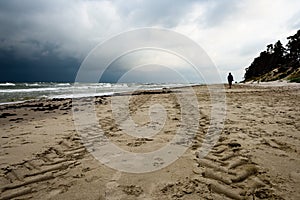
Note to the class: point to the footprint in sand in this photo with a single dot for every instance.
(158, 162)
(112, 192)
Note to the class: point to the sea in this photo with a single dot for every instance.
(20, 92)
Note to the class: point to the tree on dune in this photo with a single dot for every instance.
(283, 60)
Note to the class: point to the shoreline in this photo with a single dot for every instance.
(158, 90)
(87, 95)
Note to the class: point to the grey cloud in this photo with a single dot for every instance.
(294, 21)
(217, 12)
(59, 21)
(37, 32)
(167, 13)
(250, 49)
(53, 23)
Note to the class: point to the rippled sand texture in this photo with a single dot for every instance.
(256, 157)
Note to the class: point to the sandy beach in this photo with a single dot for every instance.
(256, 157)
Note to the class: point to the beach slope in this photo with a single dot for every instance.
(43, 155)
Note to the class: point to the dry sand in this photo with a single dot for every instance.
(256, 157)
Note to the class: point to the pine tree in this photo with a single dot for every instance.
(293, 47)
(276, 57)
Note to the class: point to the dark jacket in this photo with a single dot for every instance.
(230, 78)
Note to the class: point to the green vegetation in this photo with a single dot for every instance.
(277, 62)
(296, 80)
(11, 100)
(295, 77)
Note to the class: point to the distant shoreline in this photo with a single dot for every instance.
(20, 92)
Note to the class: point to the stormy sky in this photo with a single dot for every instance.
(48, 40)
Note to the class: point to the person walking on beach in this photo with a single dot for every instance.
(230, 79)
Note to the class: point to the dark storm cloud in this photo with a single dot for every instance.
(41, 68)
(35, 67)
(22, 17)
(67, 22)
(49, 36)
(31, 47)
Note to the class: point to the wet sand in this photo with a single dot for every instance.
(256, 157)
